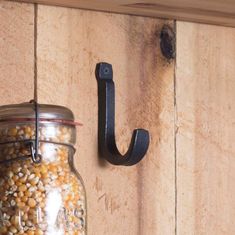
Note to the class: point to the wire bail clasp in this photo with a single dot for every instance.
(36, 157)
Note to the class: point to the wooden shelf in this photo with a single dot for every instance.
(220, 12)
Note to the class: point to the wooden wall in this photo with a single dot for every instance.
(205, 152)
(185, 183)
(121, 200)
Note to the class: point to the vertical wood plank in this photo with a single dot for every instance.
(205, 85)
(136, 200)
(16, 52)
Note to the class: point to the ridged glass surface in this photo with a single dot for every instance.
(46, 198)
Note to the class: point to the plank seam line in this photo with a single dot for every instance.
(35, 51)
(175, 127)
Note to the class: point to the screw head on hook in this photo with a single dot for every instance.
(104, 71)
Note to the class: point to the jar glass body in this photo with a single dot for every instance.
(46, 198)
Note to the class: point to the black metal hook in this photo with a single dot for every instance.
(106, 132)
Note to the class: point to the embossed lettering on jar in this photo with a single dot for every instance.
(46, 198)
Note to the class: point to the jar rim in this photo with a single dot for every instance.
(42, 120)
(27, 110)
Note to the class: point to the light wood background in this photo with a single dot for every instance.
(205, 150)
(121, 200)
(184, 185)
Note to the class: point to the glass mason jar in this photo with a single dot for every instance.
(39, 198)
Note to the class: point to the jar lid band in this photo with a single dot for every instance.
(41, 120)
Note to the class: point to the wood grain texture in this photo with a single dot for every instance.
(135, 200)
(220, 12)
(16, 52)
(205, 85)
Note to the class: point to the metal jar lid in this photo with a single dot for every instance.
(46, 112)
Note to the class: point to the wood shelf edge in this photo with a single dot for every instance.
(217, 12)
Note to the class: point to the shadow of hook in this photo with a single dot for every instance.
(106, 123)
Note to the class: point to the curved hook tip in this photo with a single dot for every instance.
(138, 147)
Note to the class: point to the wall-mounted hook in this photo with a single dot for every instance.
(106, 131)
